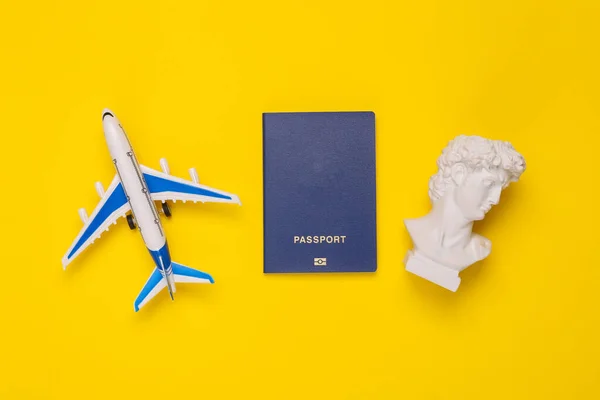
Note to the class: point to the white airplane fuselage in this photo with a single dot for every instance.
(138, 195)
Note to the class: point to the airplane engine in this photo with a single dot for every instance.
(164, 165)
(100, 189)
(194, 175)
(83, 215)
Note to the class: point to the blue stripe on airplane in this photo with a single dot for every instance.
(162, 257)
(116, 200)
(157, 185)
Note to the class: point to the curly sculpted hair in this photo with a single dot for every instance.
(475, 153)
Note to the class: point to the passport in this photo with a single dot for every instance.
(319, 192)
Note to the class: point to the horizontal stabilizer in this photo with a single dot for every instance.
(156, 282)
(185, 274)
(153, 286)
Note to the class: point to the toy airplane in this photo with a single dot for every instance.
(132, 193)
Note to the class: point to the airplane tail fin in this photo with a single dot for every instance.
(157, 282)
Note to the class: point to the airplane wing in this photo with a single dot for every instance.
(113, 205)
(167, 187)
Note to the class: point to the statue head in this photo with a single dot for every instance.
(473, 171)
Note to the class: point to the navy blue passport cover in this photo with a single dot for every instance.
(319, 192)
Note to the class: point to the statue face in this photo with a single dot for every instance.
(478, 191)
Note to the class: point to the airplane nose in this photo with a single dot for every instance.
(109, 122)
(107, 113)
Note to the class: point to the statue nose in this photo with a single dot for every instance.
(495, 196)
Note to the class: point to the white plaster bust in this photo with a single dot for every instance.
(472, 172)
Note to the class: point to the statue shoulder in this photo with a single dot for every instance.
(414, 226)
(481, 246)
(409, 223)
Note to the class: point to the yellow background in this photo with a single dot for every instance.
(189, 82)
